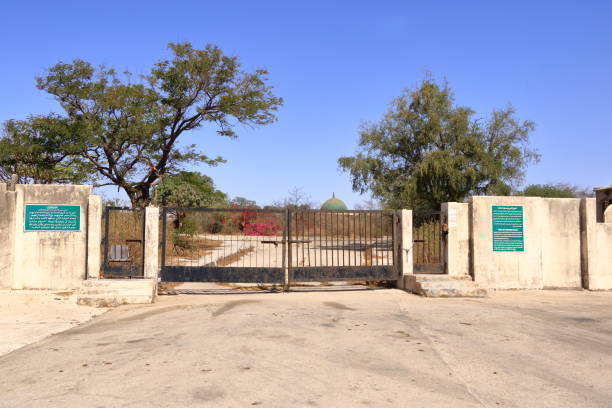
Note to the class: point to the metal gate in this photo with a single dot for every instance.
(427, 234)
(342, 245)
(277, 246)
(123, 242)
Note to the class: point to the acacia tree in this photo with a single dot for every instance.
(426, 151)
(41, 150)
(130, 130)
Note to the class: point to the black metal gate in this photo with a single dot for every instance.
(223, 245)
(346, 245)
(242, 245)
(123, 242)
(427, 235)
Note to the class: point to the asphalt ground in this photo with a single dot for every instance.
(328, 348)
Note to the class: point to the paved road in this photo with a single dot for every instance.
(373, 348)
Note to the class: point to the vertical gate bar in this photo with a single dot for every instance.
(106, 225)
(289, 250)
(354, 243)
(393, 235)
(337, 239)
(334, 237)
(343, 240)
(372, 242)
(338, 246)
(382, 235)
(433, 237)
(308, 239)
(439, 246)
(302, 238)
(164, 245)
(326, 246)
(321, 244)
(317, 239)
(284, 249)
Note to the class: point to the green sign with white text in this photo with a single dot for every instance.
(50, 217)
(508, 228)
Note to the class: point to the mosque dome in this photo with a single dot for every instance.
(334, 204)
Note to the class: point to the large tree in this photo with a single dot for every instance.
(130, 129)
(42, 150)
(426, 150)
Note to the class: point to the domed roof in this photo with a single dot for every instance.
(334, 204)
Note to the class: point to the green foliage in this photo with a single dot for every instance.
(129, 130)
(181, 236)
(426, 150)
(558, 190)
(188, 189)
(41, 150)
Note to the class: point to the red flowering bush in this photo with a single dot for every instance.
(269, 227)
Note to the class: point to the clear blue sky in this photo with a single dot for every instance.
(339, 63)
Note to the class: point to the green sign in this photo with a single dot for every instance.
(508, 228)
(48, 217)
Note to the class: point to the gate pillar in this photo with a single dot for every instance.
(94, 236)
(405, 266)
(456, 244)
(151, 244)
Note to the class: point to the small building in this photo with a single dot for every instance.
(334, 204)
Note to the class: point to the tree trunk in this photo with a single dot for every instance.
(139, 198)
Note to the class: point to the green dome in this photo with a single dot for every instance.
(334, 204)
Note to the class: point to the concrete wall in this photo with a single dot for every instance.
(7, 226)
(50, 259)
(47, 259)
(552, 254)
(597, 250)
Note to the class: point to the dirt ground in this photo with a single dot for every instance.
(327, 348)
(27, 316)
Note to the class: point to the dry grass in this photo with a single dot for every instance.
(194, 247)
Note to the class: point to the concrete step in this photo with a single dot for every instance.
(113, 300)
(443, 286)
(428, 277)
(451, 284)
(116, 283)
(476, 292)
(114, 292)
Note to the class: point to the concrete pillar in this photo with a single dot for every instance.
(457, 241)
(94, 236)
(7, 236)
(405, 267)
(151, 244)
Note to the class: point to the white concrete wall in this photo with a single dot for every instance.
(7, 243)
(597, 248)
(552, 245)
(50, 259)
